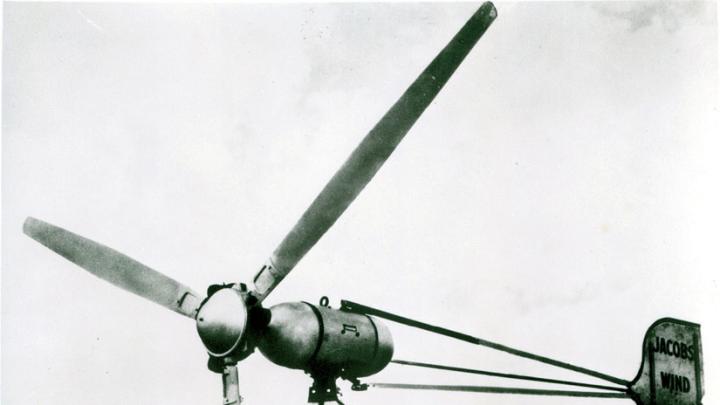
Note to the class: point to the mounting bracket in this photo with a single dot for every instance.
(324, 389)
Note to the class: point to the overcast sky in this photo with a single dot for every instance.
(558, 196)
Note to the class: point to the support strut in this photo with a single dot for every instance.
(231, 387)
(362, 309)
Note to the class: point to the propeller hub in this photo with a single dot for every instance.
(222, 322)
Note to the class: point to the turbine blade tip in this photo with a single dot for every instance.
(488, 7)
(30, 226)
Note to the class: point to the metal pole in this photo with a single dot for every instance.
(231, 387)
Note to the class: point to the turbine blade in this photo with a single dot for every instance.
(370, 155)
(115, 267)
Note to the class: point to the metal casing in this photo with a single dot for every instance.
(355, 344)
(291, 337)
(324, 340)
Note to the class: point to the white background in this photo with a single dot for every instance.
(558, 196)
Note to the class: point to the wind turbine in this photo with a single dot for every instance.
(352, 342)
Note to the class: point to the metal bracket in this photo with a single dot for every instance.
(323, 390)
(357, 385)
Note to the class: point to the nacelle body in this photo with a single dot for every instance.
(323, 340)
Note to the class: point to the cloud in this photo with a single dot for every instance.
(670, 15)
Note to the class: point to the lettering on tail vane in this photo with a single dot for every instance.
(671, 370)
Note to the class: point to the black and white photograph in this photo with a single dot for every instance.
(360, 203)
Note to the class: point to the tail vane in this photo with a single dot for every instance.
(671, 372)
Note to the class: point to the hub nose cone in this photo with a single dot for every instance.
(221, 322)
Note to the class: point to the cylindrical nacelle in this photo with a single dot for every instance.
(320, 339)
